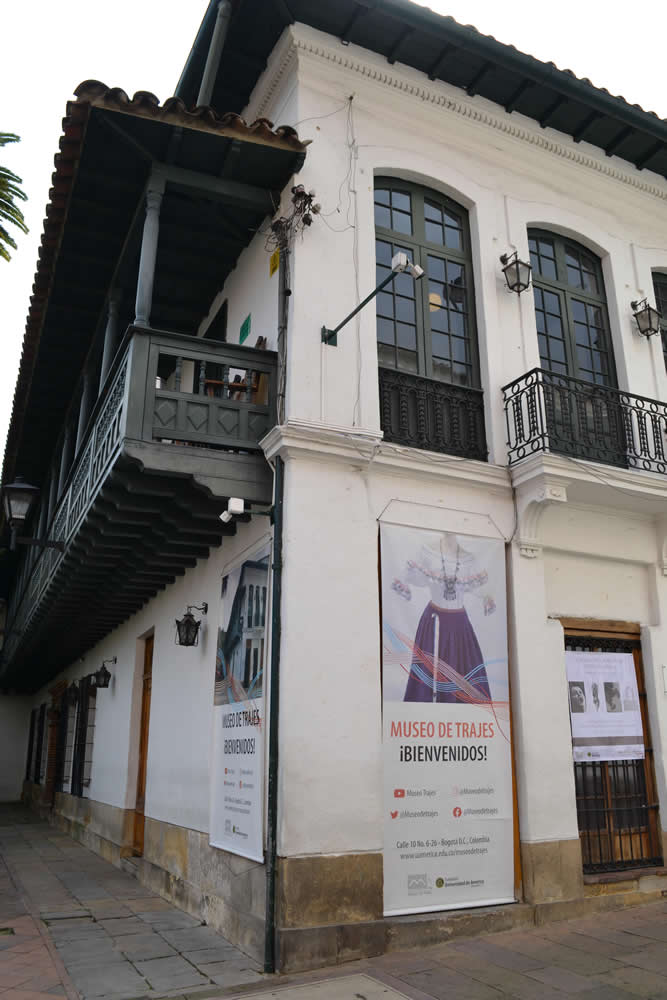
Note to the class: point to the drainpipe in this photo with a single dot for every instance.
(214, 53)
(274, 704)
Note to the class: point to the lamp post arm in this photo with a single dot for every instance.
(330, 336)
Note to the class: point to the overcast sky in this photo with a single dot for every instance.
(50, 46)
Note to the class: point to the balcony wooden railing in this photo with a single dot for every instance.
(166, 394)
(556, 413)
(436, 416)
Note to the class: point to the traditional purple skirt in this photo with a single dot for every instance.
(458, 647)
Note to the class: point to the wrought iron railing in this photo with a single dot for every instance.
(555, 413)
(436, 416)
(161, 389)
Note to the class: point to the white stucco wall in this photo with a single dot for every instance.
(178, 770)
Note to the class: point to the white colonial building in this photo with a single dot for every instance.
(450, 404)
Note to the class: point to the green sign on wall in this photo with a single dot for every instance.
(245, 329)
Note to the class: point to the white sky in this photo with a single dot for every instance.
(52, 45)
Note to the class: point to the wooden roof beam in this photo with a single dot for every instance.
(472, 87)
(518, 94)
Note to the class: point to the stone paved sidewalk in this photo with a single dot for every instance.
(71, 923)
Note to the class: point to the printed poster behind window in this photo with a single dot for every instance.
(239, 713)
(604, 707)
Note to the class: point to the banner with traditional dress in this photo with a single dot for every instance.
(604, 706)
(237, 773)
(448, 806)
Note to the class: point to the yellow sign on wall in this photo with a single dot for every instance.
(274, 261)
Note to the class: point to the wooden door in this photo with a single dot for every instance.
(617, 804)
(139, 818)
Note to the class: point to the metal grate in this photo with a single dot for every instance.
(617, 810)
(568, 416)
(436, 416)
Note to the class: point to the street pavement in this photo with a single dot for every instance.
(73, 925)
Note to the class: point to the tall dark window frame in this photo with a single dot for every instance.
(660, 290)
(571, 314)
(426, 327)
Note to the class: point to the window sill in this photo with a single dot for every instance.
(627, 875)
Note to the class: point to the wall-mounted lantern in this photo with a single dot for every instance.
(102, 676)
(187, 627)
(18, 498)
(517, 272)
(72, 693)
(648, 318)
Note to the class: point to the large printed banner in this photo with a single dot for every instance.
(448, 819)
(604, 707)
(237, 774)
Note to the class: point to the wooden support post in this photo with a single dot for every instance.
(110, 339)
(148, 256)
(65, 458)
(84, 411)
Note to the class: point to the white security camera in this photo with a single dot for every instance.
(235, 505)
(400, 263)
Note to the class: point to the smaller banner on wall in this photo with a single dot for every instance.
(604, 706)
(239, 715)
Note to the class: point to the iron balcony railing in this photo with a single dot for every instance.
(167, 389)
(556, 413)
(436, 416)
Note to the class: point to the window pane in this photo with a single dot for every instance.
(385, 331)
(382, 196)
(385, 304)
(407, 361)
(402, 222)
(405, 309)
(383, 252)
(401, 200)
(453, 238)
(407, 336)
(434, 232)
(440, 345)
(382, 217)
(386, 356)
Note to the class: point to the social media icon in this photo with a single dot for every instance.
(457, 811)
(394, 814)
(399, 793)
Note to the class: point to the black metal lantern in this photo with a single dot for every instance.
(648, 318)
(73, 693)
(517, 272)
(187, 627)
(102, 676)
(19, 497)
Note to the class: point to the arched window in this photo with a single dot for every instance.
(426, 327)
(570, 309)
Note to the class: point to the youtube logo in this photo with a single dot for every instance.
(399, 793)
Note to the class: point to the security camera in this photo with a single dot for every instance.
(400, 263)
(235, 505)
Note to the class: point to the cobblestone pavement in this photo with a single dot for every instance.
(72, 925)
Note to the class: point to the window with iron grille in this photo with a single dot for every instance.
(570, 309)
(84, 730)
(31, 744)
(40, 742)
(425, 327)
(44, 756)
(660, 289)
(68, 748)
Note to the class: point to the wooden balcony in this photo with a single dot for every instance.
(174, 433)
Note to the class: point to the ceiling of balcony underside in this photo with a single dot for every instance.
(141, 533)
(442, 49)
(95, 220)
